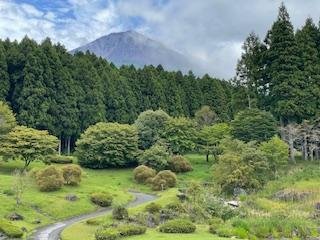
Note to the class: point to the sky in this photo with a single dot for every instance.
(210, 32)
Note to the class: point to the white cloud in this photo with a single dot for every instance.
(211, 31)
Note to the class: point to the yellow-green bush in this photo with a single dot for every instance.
(9, 229)
(49, 179)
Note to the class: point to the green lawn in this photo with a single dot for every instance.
(48, 207)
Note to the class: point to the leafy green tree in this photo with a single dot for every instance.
(180, 134)
(106, 145)
(210, 137)
(253, 125)
(205, 116)
(241, 166)
(277, 153)
(156, 157)
(150, 125)
(28, 144)
(7, 119)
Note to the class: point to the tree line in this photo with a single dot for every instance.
(50, 89)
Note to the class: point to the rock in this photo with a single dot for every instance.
(317, 206)
(15, 217)
(239, 191)
(233, 203)
(37, 221)
(182, 197)
(71, 197)
(151, 221)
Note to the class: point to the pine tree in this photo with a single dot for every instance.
(282, 72)
(4, 77)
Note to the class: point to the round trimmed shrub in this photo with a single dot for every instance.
(10, 230)
(178, 226)
(101, 199)
(143, 174)
(163, 180)
(49, 179)
(106, 145)
(120, 213)
(179, 164)
(156, 157)
(131, 230)
(153, 207)
(60, 159)
(72, 174)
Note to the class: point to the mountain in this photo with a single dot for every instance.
(130, 47)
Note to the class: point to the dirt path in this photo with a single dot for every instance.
(53, 231)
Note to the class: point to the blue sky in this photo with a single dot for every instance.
(210, 31)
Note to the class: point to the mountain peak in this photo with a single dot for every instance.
(131, 47)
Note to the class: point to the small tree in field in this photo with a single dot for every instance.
(28, 144)
(19, 185)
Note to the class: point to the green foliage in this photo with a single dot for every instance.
(178, 163)
(205, 116)
(28, 143)
(214, 224)
(209, 138)
(143, 174)
(107, 145)
(276, 152)
(177, 226)
(163, 180)
(155, 157)
(72, 174)
(241, 166)
(10, 229)
(7, 119)
(120, 213)
(153, 207)
(119, 232)
(253, 125)
(60, 159)
(49, 179)
(107, 234)
(150, 125)
(101, 199)
(180, 135)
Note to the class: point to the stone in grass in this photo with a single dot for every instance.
(37, 221)
(317, 206)
(71, 197)
(15, 217)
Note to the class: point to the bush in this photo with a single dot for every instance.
(106, 145)
(8, 192)
(178, 226)
(131, 230)
(49, 179)
(143, 173)
(60, 159)
(214, 224)
(93, 222)
(119, 232)
(155, 157)
(179, 164)
(153, 207)
(72, 174)
(107, 234)
(10, 230)
(101, 199)
(120, 213)
(175, 207)
(163, 180)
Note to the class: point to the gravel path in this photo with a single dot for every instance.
(53, 231)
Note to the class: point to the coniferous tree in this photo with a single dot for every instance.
(4, 76)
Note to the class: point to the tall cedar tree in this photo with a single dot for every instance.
(4, 76)
(282, 65)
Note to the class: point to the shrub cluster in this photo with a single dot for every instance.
(10, 230)
(101, 199)
(119, 232)
(72, 174)
(177, 226)
(49, 179)
(60, 159)
(179, 164)
(120, 213)
(156, 157)
(163, 180)
(153, 208)
(143, 174)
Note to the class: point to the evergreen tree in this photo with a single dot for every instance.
(283, 75)
(4, 76)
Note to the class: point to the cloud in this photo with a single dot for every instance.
(209, 31)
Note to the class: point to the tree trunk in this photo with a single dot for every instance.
(59, 150)
(207, 157)
(68, 145)
(305, 148)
